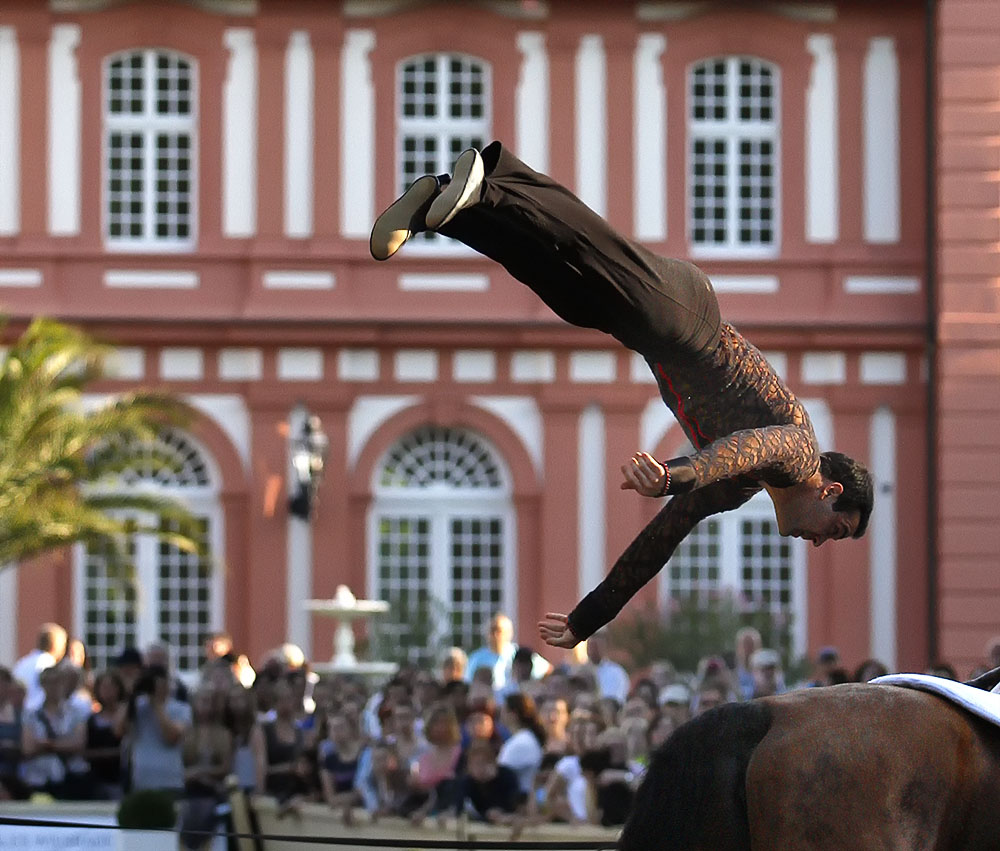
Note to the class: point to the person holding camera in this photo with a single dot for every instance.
(156, 726)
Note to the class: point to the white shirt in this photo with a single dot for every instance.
(27, 669)
(612, 680)
(523, 755)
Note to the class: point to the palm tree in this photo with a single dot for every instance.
(59, 454)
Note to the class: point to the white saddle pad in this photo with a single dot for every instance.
(985, 704)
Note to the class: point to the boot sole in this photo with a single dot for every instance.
(402, 218)
(466, 180)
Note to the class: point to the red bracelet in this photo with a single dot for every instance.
(666, 481)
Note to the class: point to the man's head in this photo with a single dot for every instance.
(501, 632)
(839, 507)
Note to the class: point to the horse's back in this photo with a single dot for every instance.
(694, 795)
(863, 767)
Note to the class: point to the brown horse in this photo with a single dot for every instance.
(825, 769)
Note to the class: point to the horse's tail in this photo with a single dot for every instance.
(694, 793)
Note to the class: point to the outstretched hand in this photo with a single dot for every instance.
(643, 474)
(554, 630)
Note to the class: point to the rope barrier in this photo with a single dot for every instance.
(458, 844)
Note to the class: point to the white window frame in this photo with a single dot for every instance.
(149, 124)
(440, 503)
(444, 128)
(201, 501)
(733, 131)
(731, 567)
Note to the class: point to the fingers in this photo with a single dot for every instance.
(557, 616)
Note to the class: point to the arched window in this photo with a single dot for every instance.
(443, 107)
(174, 596)
(441, 541)
(733, 130)
(150, 122)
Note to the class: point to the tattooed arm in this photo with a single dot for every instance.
(790, 451)
(647, 554)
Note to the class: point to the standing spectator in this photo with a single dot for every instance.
(490, 791)
(748, 642)
(519, 675)
(156, 726)
(105, 730)
(129, 665)
(498, 653)
(11, 786)
(523, 751)
(826, 667)
(207, 751)
(338, 756)
(49, 650)
(869, 670)
(454, 665)
(53, 737)
(159, 655)
(612, 679)
(249, 748)
(768, 678)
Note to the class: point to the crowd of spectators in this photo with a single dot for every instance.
(500, 735)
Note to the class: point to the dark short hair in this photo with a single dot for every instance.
(859, 491)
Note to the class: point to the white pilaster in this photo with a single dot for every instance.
(822, 149)
(591, 124)
(531, 102)
(299, 132)
(591, 501)
(882, 538)
(9, 650)
(881, 142)
(239, 135)
(650, 155)
(10, 134)
(64, 131)
(298, 628)
(357, 128)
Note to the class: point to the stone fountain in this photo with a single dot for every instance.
(345, 608)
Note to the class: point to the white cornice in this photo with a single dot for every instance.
(234, 8)
(663, 10)
(534, 11)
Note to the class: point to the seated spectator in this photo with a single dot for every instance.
(636, 734)
(612, 679)
(287, 774)
(53, 737)
(675, 702)
(660, 730)
(768, 676)
(453, 665)
(566, 794)
(456, 694)
(382, 780)
(647, 690)
(11, 787)
(105, 731)
(610, 711)
(708, 696)
(433, 783)
(554, 715)
(869, 670)
(610, 789)
(943, 670)
(207, 752)
(523, 751)
(490, 791)
(481, 725)
(338, 756)
(403, 733)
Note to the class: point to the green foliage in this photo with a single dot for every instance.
(147, 809)
(61, 453)
(691, 629)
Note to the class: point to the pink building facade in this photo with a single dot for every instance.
(195, 182)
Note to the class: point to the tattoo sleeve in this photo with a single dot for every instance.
(651, 549)
(788, 451)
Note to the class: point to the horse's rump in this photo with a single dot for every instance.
(694, 793)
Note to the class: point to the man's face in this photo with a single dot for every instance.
(501, 632)
(812, 517)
